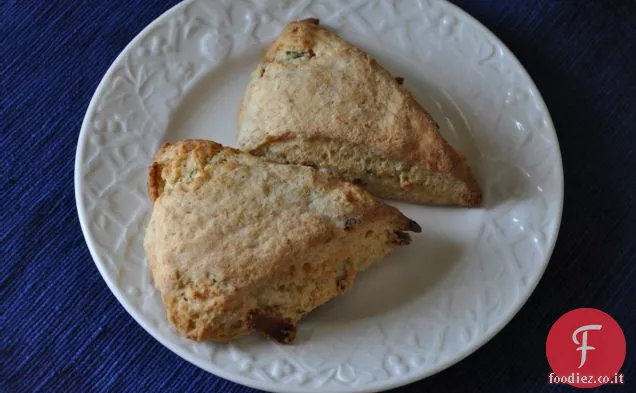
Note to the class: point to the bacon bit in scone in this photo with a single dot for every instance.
(346, 280)
(350, 223)
(402, 238)
(313, 21)
(272, 327)
(155, 181)
(413, 226)
(407, 185)
(341, 284)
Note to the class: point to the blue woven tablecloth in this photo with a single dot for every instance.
(63, 331)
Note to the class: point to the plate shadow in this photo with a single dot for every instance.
(406, 275)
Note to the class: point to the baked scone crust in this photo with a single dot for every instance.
(314, 85)
(238, 244)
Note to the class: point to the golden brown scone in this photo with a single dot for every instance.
(317, 100)
(238, 244)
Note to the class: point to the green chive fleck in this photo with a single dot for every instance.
(291, 55)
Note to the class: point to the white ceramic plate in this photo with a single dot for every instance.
(433, 302)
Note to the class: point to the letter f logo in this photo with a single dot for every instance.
(584, 347)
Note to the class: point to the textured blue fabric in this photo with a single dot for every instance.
(63, 331)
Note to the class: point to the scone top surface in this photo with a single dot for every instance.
(314, 85)
(243, 213)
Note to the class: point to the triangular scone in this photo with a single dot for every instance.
(317, 100)
(239, 244)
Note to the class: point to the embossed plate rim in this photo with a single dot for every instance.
(393, 381)
(175, 348)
